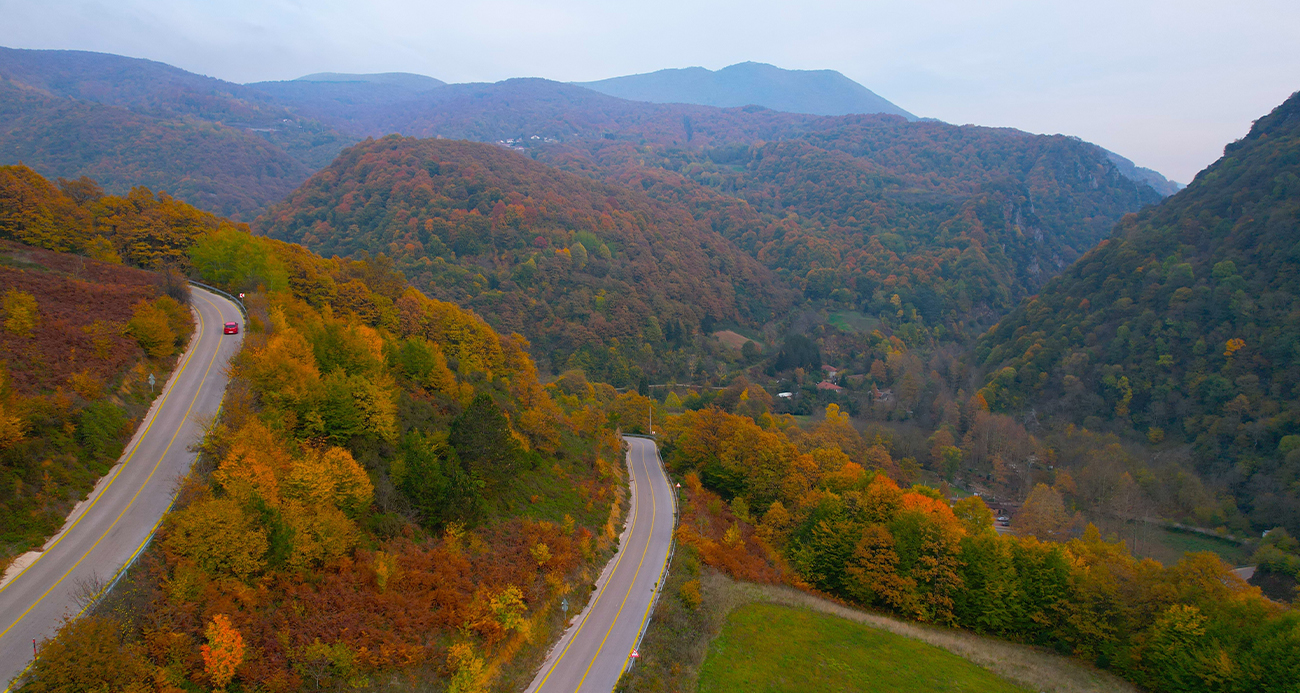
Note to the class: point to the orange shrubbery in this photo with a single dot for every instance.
(854, 533)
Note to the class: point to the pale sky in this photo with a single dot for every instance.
(1164, 83)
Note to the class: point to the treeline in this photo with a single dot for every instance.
(1182, 327)
(824, 508)
(597, 277)
(140, 228)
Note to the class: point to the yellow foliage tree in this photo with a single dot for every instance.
(508, 608)
(467, 671)
(320, 534)
(255, 464)
(152, 330)
(283, 368)
(21, 313)
(88, 655)
(13, 427)
(461, 334)
(219, 537)
(1044, 515)
(330, 477)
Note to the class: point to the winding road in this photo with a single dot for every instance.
(598, 644)
(110, 528)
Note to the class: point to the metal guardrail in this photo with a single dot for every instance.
(243, 311)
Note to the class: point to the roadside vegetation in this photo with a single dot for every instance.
(818, 510)
(80, 335)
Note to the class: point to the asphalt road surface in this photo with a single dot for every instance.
(598, 643)
(111, 527)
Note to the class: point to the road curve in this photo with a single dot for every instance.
(112, 526)
(596, 648)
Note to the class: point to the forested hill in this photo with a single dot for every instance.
(1183, 326)
(956, 224)
(129, 122)
(598, 277)
(822, 92)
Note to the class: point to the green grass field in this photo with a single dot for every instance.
(1176, 543)
(765, 647)
(853, 322)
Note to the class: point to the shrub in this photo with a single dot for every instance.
(100, 430)
(21, 314)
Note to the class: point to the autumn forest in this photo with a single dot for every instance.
(966, 377)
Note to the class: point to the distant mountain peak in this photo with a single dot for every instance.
(818, 92)
(409, 80)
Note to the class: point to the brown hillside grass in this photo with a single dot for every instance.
(731, 340)
(83, 306)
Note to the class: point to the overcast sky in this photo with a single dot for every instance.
(1164, 83)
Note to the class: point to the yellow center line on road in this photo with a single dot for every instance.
(632, 583)
(592, 609)
(663, 572)
(145, 483)
(64, 533)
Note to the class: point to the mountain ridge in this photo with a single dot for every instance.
(408, 79)
(299, 126)
(816, 92)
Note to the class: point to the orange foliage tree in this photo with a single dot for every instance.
(224, 651)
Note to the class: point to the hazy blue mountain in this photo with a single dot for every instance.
(350, 101)
(1132, 171)
(408, 80)
(819, 92)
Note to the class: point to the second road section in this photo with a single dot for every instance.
(594, 650)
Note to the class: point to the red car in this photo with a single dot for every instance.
(231, 328)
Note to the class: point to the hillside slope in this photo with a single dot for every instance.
(362, 419)
(959, 223)
(1183, 325)
(596, 276)
(819, 92)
